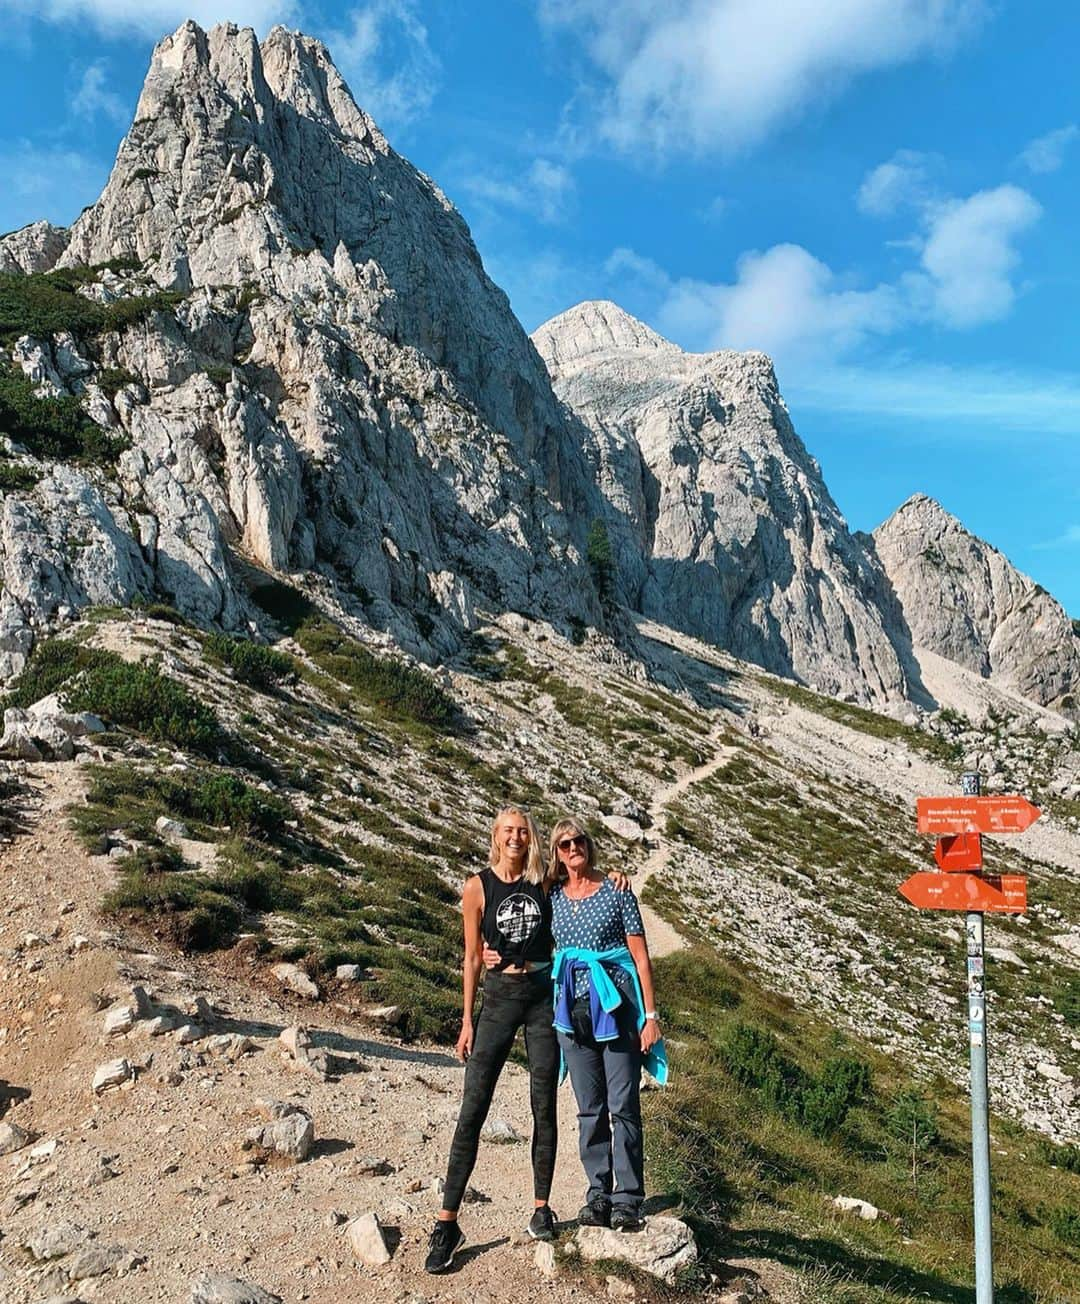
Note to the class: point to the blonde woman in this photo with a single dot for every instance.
(505, 908)
(605, 1014)
(507, 920)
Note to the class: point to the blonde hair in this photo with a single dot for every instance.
(568, 827)
(534, 864)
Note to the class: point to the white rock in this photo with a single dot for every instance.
(216, 1288)
(172, 829)
(623, 827)
(366, 1241)
(296, 980)
(663, 1247)
(291, 1137)
(544, 1259)
(55, 1240)
(849, 1204)
(111, 1074)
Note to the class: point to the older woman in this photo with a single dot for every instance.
(607, 1024)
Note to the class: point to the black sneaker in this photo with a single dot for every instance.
(624, 1219)
(542, 1224)
(597, 1213)
(446, 1239)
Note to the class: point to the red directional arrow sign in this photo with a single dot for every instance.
(959, 851)
(995, 893)
(976, 814)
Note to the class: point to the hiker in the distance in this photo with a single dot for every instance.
(608, 1028)
(506, 911)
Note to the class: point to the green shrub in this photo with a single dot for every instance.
(141, 698)
(251, 663)
(1067, 1001)
(53, 427)
(113, 379)
(286, 606)
(43, 303)
(191, 913)
(15, 477)
(601, 559)
(51, 665)
(1065, 1225)
(389, 685)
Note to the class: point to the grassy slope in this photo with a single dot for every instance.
(346, 825)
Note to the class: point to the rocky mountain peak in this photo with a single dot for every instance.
(964, 600)
(596, 326)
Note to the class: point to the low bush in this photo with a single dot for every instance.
(1065, 1224)
(187, 908)
(52, 663)
(15, 477)
(251, 663)
(46, 302)
(142, 699)
(53, 427)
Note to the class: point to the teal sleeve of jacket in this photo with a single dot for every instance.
(655, 1060)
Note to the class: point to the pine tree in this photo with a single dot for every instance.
(601, 559)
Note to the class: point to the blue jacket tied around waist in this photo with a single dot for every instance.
(604, 998)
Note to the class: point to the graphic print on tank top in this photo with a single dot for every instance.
(517, 919)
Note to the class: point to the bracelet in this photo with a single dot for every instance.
(652, 1014)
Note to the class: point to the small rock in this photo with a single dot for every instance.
(373, 1166)
(296, 980)
(56, 1240)
(12, 1138)
(351, 973)
(499, 1132)
(216, 1288)
(96, 1261)
(188, 1033)
(619, 1289)
(849, 1204)
(111, 1074)
(367, 1242)
(290, 1137)
(120, 1019)
(172, 829)
(544, 1258)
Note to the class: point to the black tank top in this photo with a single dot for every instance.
(517, 919)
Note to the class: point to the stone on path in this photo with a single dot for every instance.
(56, 1240)
(296, 980)
(111, 1074)
(544, 1258)
(662, 1248)
(499, 1132)
(216, 1288)
(12, 1138)
(367, 1242)
(291, 1136)
(97, 1260)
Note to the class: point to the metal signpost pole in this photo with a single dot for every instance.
(980, 1114)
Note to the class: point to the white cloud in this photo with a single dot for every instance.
(94, 97)
(1047, 153)
(970, 254)
(547, 190)
(46, 182)
(716, 208)
(904, 180)
(722, 74)
(155, 17)
(796, 308)
(386, 56)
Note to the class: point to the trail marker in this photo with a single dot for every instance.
(959, 884)
(975, 814)
(958, 851)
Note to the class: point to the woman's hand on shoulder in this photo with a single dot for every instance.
(619, 880)
(650, 1035)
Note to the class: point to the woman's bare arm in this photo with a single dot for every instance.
(472, 912)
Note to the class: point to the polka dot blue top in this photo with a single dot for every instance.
(598, 922)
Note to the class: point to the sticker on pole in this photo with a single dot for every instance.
(1001, 894)
(975, 814)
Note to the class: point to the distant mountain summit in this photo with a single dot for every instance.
(965, 601)
(722, 522)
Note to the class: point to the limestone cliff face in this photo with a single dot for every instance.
(965, 601)
(341, 389)
(721, 521)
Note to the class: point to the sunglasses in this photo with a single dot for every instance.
(564, 844)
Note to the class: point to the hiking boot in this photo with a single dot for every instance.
(624, 1219)
(542, 1224)
(597, 1213)
(445, 1241)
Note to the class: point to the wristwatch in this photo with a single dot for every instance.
(652, 1014)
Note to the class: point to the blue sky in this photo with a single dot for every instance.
(880, 193)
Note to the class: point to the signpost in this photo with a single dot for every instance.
(960, 884)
